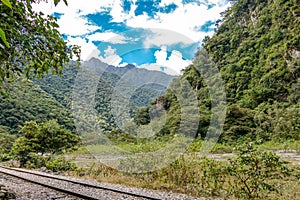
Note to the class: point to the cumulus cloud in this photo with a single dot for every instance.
(73, 21)
(80, 25)
(159, 37)
(88, 49)
(117, 11)
(171, 65)
(111, 57)
(183, 24)
(168, 2)
(183, 20)
(108, 37)
(75, 25)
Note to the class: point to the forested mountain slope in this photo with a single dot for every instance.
(256, 48)
(29, 102)
(51, 97)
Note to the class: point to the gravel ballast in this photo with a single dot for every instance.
(25, 190)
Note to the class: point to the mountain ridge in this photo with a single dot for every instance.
(256, 49)
(57, 94)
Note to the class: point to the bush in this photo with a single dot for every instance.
(34, 161)
(60, 164)
(254, 174)
(5, 157)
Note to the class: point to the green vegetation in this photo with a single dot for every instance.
(45, 138)
(30, 43)
(39, 145)
(50, 98)
(256, 49)
(59, 164)
(6, 142)
(254, 172)
(29, 102)
(251, 174)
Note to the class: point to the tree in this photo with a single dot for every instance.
(142, 116)
(30, 43)
(6, 141)
(253, 173)
(47, 137)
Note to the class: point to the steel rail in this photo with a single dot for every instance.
(83, 196)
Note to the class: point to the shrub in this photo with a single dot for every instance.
(60, 164)
(253, 174)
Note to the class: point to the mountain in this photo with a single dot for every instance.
(131, 73)
(51, 97)
(120, 92)
(120, 71)
(256, 49)
(27, 101)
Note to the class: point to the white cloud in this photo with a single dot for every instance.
(183, 20)
(172, 65)
(108, 37)
(88, 49)
(219, 2)
(85, 7)
(80, 25)
(117, 11)
(161, 37)
(110, 57)
(161, 56)
(73, 22)
(168, 2)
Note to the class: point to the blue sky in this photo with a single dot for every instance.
(158, 34)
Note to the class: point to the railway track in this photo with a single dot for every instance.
(73, 187)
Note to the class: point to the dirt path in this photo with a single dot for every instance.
(290, 156)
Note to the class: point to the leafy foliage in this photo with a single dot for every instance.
(253, 172)
(28, 102)
(60, 164)
(51, 97)
(256, 48)
(250, 174)
(278, 121)
(142, 116)
(6, 142)
(30, 42)
(48, 137)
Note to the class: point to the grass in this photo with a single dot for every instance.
(220, 151)
(189, 174)
(288, 145)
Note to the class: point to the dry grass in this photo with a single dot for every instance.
(190, 175)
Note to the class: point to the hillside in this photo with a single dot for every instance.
(29, 102)
(256, 48)
(51, 97)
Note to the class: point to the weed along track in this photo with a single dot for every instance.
(72, 187)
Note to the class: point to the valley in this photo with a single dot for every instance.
(227, 127)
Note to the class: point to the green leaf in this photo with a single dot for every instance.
(7, 3)
(56, 2)
(65, 1)
(2, 36)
